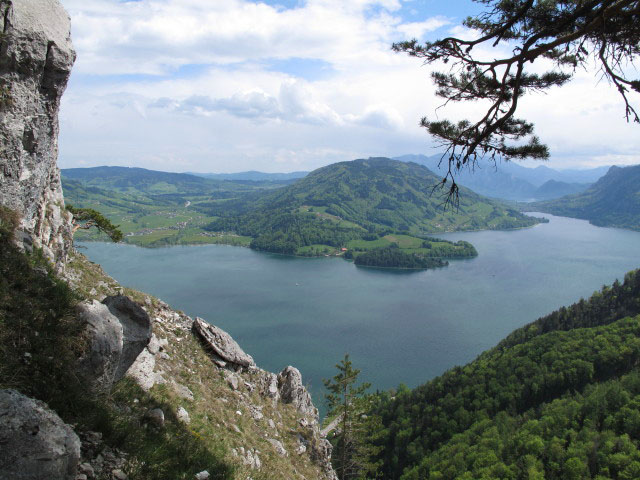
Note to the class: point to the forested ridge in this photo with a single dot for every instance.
(394, 257)
(559, 398)
(360, 199)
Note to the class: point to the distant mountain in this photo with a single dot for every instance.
(553, 189)
(613, 201)
(509, 180)
(140, 181)
(489, 181)
(82, 195)
(131, 179)
(254, 176)
(542, 174)
(347, 200)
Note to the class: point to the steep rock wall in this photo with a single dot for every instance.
(36, 56)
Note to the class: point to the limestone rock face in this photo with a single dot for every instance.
(36, 56)
(293, 391)
(35, 443)
(222, 344)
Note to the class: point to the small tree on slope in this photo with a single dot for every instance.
(353, 446)
(86, 218)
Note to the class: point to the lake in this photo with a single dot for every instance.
(398, 327)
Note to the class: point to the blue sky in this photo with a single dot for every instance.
(231, 85)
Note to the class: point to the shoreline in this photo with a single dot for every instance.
(428, 234)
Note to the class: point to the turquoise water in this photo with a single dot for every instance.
(398, 327)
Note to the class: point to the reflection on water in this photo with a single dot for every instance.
(399, 327)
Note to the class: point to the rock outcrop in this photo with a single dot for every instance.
(36, 56)
(118, 331)
(293, 391)
(222, 345)
(35, 444)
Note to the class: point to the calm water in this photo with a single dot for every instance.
(399, 327)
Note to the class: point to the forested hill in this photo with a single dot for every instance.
(373, 194)
(613, 201)
(557, 399)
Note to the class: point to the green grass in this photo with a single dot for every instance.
(40, 341)
(316, 249)
(404, 241)
(151, 238)
(211, 435)
(368, 244)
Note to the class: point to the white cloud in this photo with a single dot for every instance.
(155, 36)
(189, 85)
(418, 29)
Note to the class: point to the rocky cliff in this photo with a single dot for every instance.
(206, 382)
(36, 56)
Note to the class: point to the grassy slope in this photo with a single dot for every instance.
(382, 192)
(146, 219)
(613, 201)
(37, 318)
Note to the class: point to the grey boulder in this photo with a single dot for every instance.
(35, 444)
(99, 365)
(136, 326)
(118, 331)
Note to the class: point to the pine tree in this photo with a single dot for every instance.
(86, 218)
(357, 427)
(569, 33)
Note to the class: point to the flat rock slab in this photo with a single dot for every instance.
(222, 344)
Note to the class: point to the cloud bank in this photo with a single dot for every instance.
(220, 86)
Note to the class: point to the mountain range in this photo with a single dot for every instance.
(355, 204)
(613, 201)
(153, 183)
(254, 176)
(510, 181)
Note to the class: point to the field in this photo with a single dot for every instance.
(147, 217)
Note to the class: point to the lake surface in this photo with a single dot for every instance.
(398, 327)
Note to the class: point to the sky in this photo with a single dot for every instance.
(288, 85)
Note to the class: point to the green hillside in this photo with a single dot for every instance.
(557, 399)
(349, 202)
(613, 201)
(162, 186)
(146, 219)
(154, 208)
